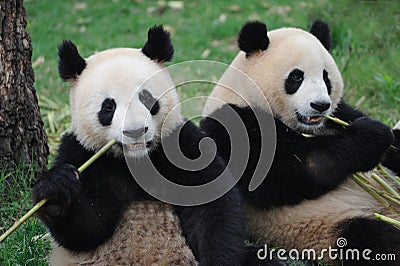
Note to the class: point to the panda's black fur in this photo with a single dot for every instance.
(158, 46)
(320, 29)
(71, 64)
(306, 168)
(83, 213)
(253, 37)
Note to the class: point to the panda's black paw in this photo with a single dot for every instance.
(392, 157)
(370, 140)
(60, 186)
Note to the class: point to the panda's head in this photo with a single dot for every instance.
(122, 94)
(294, 70)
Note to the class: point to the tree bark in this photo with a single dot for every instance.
(23, 140)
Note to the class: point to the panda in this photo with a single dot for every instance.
(306, 200)
(104, 217)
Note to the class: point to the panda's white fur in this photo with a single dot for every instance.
(311, 223)
(126, 66)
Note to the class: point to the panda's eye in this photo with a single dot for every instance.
(297, 75)
(327, 82)
(294, 81)
(149, 101)
(108, 105)
(106, 113)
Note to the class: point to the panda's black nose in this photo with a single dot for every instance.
(134, 133)
(320, 106)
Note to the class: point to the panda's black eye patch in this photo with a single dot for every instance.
(149, 101)
(106, 113)
(293, 81)
(327, 82)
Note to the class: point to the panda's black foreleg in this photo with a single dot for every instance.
(309, 167)
(369, 242)
(216, 231)
(392, 158)
(359, 147)
(82, 209)
(70, 214)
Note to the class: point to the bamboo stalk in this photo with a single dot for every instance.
(388, 175)
(96, 156)
(386, 186)
(337, 121)
(38, 205)
(390, 198)
(371, 191)
(23, 219)
(387, 219)
(378, 194)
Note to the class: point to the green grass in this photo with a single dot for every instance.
(21, 247)
(366, 38)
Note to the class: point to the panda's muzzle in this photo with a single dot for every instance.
(310, 120)
(135, 133)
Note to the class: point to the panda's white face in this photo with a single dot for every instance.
(298, 77)
(295, 73)
(123, 95)
(311, 85)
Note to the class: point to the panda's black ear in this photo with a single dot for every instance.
(321, 30)
(253, 37)
(70, 62)
(158, 46)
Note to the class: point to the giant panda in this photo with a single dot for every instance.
(104, 217)
(306, 200)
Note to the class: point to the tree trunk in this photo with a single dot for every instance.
(23, 140)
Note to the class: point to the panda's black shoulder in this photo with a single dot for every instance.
(71, 151)
(190, 134)
(189, 137)
(215, 126)
(213, 123)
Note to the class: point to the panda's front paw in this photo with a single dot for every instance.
(371, 132)
(60, 186)
(392, 157)
(371, 140)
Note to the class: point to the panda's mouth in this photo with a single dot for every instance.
(138, 146)
(310, 120)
